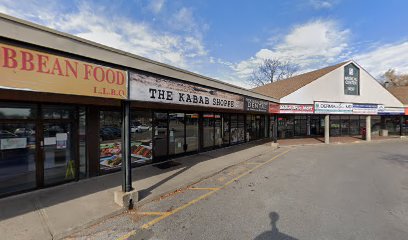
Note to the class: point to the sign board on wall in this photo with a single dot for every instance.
(333, 108)
(296, 108)
(351, 80)
(390, 110)
(144, 87)
(256, 105)
(273, 108)
(365, 109)
(29, 70)
(406, 111)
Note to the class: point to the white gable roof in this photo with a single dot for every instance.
(330, 88)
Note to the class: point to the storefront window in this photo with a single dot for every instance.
(192, 132)
(241, 128)
(375, 125)
(17, 156)
(208, 130)
(58, 112)
(83, 163)
(217, 130)
(300, 125)
(17, 111)
(335, 126)
(110, 140)
(234, 128)
(176, 133)
(355, 125)
(226, 129)
(160, 141)
(345, 125)
(141, 137)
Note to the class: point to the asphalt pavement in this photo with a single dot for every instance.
(342, 191)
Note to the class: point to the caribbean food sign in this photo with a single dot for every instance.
(24, 69)
(256, 105)
(333, 108)
(150, 88)
(351, 80)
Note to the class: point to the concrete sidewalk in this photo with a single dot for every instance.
(335, 140)
(55, 212)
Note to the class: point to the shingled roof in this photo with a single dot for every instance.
(282, 88)
(401, 93)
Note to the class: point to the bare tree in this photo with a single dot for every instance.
(393, 79)
(271, 70)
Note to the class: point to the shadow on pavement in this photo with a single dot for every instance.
(23, 203)
(274, 234)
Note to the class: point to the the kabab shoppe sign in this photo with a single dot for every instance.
(333, 108)
(256, 105)
(24, 69)
(150, 88)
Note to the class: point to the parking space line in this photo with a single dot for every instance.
(167, 214)
(205, 188)
(255, 163)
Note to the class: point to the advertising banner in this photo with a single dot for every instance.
(296, 108)
(29, 70)
(390, 110)
(365, 109)
(333, 108)
(406, 111)
(150, 88)
(273, 108)
(351, 80)
(256, 105)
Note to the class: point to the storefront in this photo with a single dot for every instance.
(56, 132)
(343, 96)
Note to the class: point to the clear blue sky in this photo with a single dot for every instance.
(228, 39)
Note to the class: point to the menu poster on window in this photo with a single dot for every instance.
(13, 143)
(333, 108)
(50, 141)
(153, 88)
(61, 140)
(256, 105)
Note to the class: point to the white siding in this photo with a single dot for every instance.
(331, 88)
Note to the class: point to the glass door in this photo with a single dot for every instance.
(217, 130)
(160, 143)
(176, 133)
(208, 130)
(192, 132)
(58, 157)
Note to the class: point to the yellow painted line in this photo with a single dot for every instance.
(205, 188)
(167, 214)
(151, 213)
(154, 221)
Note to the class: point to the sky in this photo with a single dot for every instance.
(228, 39)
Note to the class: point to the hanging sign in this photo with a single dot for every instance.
(333, 108)
(390, 110)
(365, 109)
(256, 105)
(28, 70)
(273, 108)
(296, 108)
(351, 80)
(149, 88)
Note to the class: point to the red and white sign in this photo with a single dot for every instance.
(406, 111)
(296, 108)
(273, 108)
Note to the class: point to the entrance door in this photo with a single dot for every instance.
(176, 133)
(58, 153)
(192, 139)
(160, 128)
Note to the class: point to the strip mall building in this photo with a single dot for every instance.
(64, 102)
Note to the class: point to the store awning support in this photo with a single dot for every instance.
(368, 128)
(327, 129)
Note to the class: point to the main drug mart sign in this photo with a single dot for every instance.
(29, 70)
(149, 88)
(296, 108)
(333, 108)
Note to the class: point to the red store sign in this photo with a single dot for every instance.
(291, 108)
